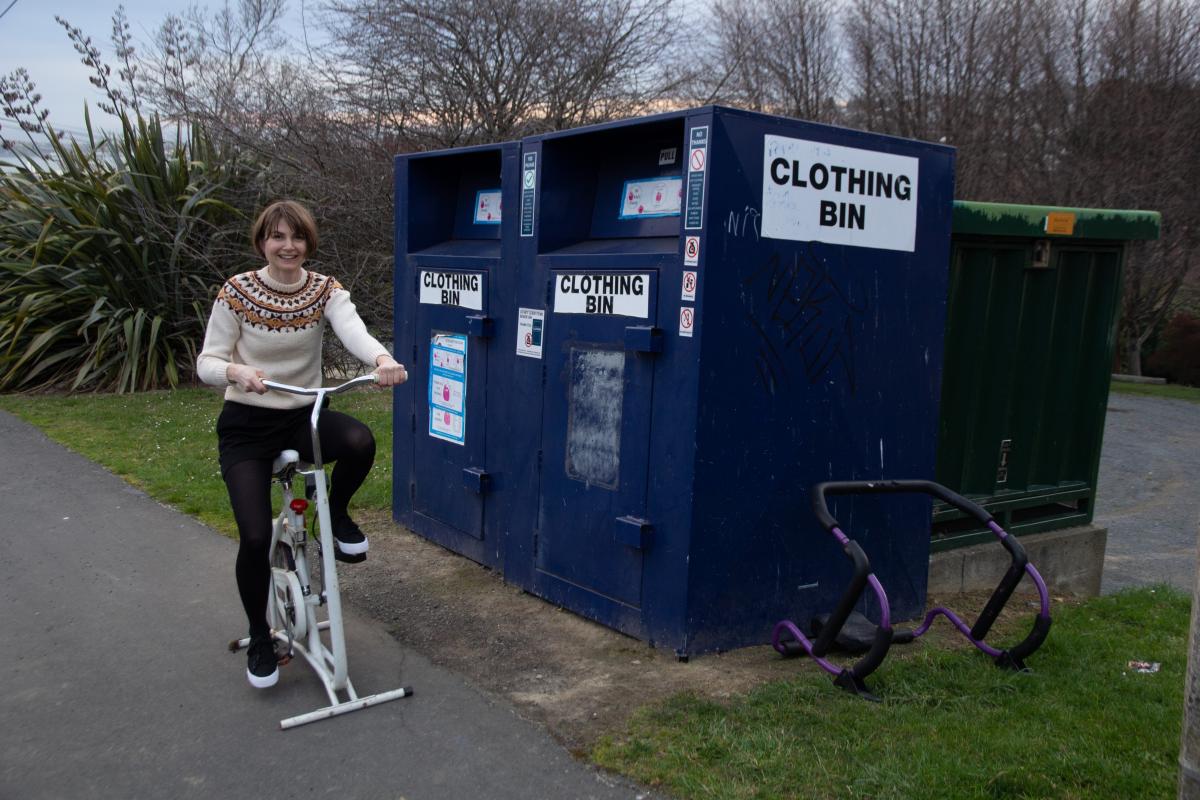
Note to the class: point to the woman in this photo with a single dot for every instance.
(268, 324)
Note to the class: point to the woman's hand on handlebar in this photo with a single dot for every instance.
(246, 377)
(389, 373)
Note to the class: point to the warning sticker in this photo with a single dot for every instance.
(689, 286)
(817, 192)
(1060, 222)
(463, 289)
(687, 321)
(487, 207)
(448, 387)
(697, 162)
(651, 197)
(691, 250)
(528, 197)
(530, 324)
(619, 294)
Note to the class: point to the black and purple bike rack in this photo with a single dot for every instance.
(852, 679)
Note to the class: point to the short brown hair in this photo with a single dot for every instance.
(295, 215)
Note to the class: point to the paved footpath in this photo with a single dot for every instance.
(115, 680)
(1148, 493)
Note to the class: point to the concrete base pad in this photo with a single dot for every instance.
(1071, 561)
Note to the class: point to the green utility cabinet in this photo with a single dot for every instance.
(1034, 298)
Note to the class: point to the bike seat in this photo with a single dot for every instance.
(284, 460)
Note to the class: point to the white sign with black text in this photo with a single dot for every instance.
(817, 192)
(625, 294)
(463, 289)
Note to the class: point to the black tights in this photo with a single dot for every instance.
(344, 440)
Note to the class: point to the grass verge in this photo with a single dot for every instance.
(1083, 724)
(166, 443)
(1169, 390)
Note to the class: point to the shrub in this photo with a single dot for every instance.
(1178, 356)
(109, 257)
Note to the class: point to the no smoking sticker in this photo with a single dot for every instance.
(687, 321)
(689, 286)
(691, 251)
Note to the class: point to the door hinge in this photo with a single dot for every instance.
(535, 544)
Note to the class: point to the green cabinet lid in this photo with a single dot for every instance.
(1054, 222)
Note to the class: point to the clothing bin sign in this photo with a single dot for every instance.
(448, 387)
(820, 192)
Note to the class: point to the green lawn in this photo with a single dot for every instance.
(1170, 390)
(166, 442)
(1081, 725)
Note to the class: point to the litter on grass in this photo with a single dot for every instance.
(1147, 667)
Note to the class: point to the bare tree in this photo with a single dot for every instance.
(449, 72)
(778, 56)
(209, 66)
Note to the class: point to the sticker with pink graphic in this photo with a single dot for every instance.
(448, 387)
(487, 207)
(651, 197)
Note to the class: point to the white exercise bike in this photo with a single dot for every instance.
(293, 602)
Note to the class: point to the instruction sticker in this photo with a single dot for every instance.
(448, 387)
(530, 324)
(487, 207)
(620, 294)
(817, 192)
(528, 184)
(697, 165)
(691, 250)
(687, 321)
(689, 286)
(462, 289)
(651, 197)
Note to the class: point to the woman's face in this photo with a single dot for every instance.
(285, 250)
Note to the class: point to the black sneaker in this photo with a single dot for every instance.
(349, 543)
(262, 665)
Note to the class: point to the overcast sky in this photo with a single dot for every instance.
(30, 38)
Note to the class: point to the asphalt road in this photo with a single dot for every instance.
(1148, 494)
(116, 681)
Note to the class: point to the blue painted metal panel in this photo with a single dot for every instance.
(450, 226)
(595, 440)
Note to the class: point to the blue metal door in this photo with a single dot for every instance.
(451, 379)
(596, 432)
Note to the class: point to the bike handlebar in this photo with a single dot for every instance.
(320, 393)
(350, 384)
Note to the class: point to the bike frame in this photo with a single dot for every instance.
(292, 580)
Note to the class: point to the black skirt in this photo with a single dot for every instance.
(250, 433)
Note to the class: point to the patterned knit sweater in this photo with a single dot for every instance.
(277, 328)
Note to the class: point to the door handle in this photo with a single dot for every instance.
(633, 531)
(479, 326)
(477, 479)
(644, 339)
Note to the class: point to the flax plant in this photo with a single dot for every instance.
(110, 252)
